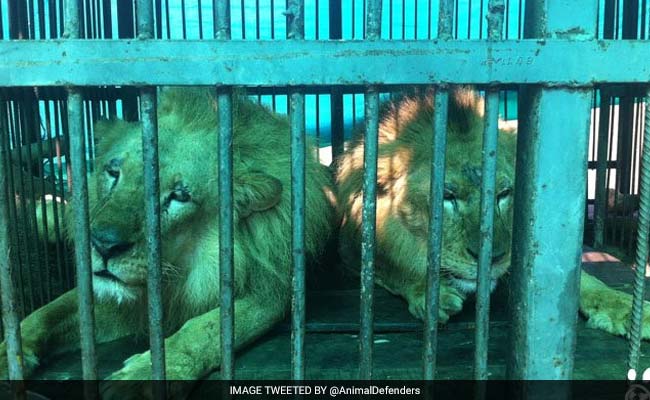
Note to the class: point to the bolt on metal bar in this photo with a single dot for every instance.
(295, 24)
(368, 222)
(226, 239)
(601, 171)
(149, 118)
(436, 194)
(10, 319)
(80, 217)
(488, 190)
(641, 247)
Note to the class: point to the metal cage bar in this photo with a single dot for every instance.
(601, 170)
(549, 209)
(10, 315)
(488, 191)
(368, 222)
(80, 217)
(636, 323)
(260, 63)
(296, 31)
(151, 166)
(436, 194)
(226, 238)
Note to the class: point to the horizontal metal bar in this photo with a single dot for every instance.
(561, 62)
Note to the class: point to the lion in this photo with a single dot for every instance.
(403, 179)
(187, 121)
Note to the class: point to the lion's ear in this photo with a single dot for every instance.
(255, 192)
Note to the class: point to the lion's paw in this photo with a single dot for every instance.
(451, 302)
(611, 310)
(133, 381)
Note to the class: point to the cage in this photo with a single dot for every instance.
(326, 64)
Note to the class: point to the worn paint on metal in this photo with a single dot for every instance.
(636, 323)
(264, 63)
(10, 318)
(488, 185)
(600, 203)
(368, 218)
(151, 166)
(295, 22)
(436, 194)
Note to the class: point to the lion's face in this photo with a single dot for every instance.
(404, 176)
(461, 210)
(116, 201)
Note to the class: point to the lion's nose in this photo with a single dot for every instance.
(109, 243)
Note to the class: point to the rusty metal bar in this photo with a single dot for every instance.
(549, 209)
(636, 323)
(264, 63)
(295, 24)
(488, 189)
(81, 219)
(373, 30)
(436, 193)
(10, 315)
(226, 238)
(151, 166)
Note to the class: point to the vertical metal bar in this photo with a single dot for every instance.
(549, 210)
(295, 25)
(10, 319)
(200, 19)
(641, 247)
(490, 132)
(81, 221)
(226, 278)
(149, 116)
(436, 193)
(336, 95)
(601, 170)
(368, 223)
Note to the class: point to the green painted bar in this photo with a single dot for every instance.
(298, 150)
(149, 118)
(641, 247)
(226, 246)
(549, 209)
(436, 194)
(82, 235)
(264, 63)
(226, 235)
(295, 22)
(151, 166)
(10, 318)
(496, 10)
(601, 171)
(368, 214)
(81, 218)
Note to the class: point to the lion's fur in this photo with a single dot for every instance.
(188, 132)
(405, 152)
(404, 166)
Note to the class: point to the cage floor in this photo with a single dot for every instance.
(332, 343)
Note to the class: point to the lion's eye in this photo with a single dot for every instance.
(449, 195)
(112, 169)
(504, 194)
(503, 198)
(449, 200)
(181, 193)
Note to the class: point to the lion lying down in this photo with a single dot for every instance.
(405, 137)
(190, 205)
